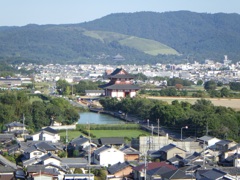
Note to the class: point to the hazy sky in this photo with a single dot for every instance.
(23, 12)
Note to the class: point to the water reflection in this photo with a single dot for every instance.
(98, 118)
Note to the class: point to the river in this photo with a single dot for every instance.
(98, 118)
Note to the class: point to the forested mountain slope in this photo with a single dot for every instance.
(142, 37)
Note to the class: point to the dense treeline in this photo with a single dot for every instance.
(37, 110)
(65, 88)
(202, 117)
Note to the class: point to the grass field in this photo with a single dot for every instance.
(118, 133)
(71, 134)
(105, 133)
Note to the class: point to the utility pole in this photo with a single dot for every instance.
(66, 142)
(158, 127)
(89, 151)
(23, 127)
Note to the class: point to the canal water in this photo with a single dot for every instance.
(98, 118)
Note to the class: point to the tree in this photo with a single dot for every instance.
(179, 86)
(210, 85)
(235, 86)
(200, 82)
(224, 92)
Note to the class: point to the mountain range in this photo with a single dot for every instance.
(141, 38)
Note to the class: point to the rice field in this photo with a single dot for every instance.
(227, 102)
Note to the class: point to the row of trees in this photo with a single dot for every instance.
(202, 117)
(65, 88)
(38, 111)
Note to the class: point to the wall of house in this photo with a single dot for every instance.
(156, 142)
(111, 156)
(49, 137)
(123, 173)
(53, 161)
(36, 154)
(131, 157)
(175, 151)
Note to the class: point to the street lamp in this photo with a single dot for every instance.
(185, 127)
(148, 122)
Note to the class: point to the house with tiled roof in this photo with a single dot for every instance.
(113, 141)
(131, 154)
(153, 170)
(207, 141)
(46, 134)
(177, 174)
(120, 170)
(107, 155)
(16, 128)
(171, 150)
(212, 174)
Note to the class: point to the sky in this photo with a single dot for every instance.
(23, 12)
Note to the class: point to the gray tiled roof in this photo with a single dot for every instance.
(176, 174)
(205, 138)
(167, 147)
(101, 149)
(122, 87)
(15, 124)
(214, 174)
(45, 146)
(112, 140)
(79, 140)
(118, 167)
(6, 162)
(49, 155)
(6, 169)
(49, 129)
(224, 142)
(129, 150)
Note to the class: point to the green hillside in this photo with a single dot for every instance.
(150, 47)
(141, 38)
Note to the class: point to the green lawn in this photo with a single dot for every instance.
(71, 134)
(105, 133)
(118, 133)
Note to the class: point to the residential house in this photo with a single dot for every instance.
(212, 174)
(80, 142)
(131, 154)
(224, 145)
(107, 155)
(94, 92)
(119, 170)
(153, 170)
(49, 171)
(177, 174)
(208, 141)
(74, 163)
(7, 168)
(16, 128)
(175, 160)
(46, 134)
(113, 141)
(170, 151)
(78, 176)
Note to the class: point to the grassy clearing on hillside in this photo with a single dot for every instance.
(145, 45)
